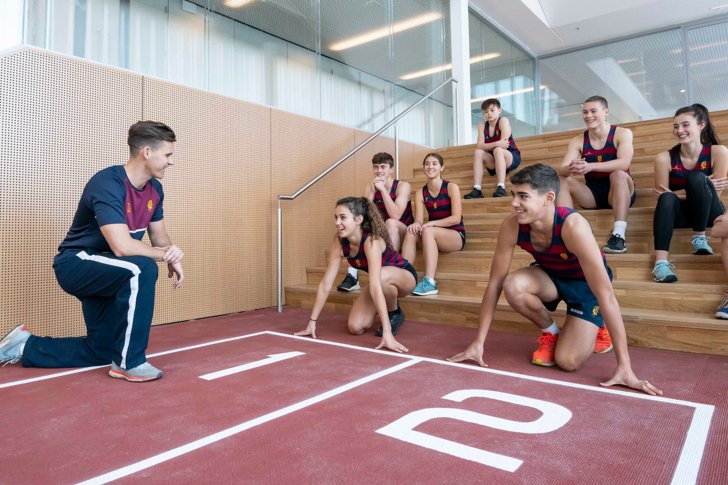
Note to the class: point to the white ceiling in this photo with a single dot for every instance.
(546, 26)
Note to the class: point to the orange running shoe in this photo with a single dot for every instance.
(544, 354)
(603, 343)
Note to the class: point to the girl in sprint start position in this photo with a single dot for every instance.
(444, 232)
(363, 240)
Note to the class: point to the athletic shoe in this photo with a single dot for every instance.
(701, 246)
(11, 344)
(141, 373)
(616, 245)
(474, 194)
(603, 344)
(349, 284)
(722, 311)
(663, 273)
(500, 192)
(544, 354)
(425, 287)
(396, 319)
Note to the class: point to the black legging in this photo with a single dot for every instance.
(699, 209)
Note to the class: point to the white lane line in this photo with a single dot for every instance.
(271, 359)
(688, 465)
(226, 433)
(500, 372)
(691, 455)
(158, 354)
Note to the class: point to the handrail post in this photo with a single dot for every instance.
(392, 122)
(396, 153)
(280, 260)
(456, 112)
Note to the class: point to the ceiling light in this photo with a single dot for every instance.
(447, 67)
(236, 3)
(506, 94)
(718, 7)
(385, 31)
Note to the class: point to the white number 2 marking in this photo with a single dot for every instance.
(554, 417)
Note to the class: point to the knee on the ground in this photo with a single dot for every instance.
(356, 329)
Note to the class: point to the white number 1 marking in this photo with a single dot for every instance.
(272, 359)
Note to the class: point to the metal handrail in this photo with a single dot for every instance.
(341, 160)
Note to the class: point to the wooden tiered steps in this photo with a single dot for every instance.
(676, 316)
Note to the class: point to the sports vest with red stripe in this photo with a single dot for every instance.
(407, 217)
(556, 260)
(440, 207)
(497, 136)
(678, 172)
(390, 257)
(604, 154)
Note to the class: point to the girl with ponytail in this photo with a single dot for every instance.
(688, 180)
(363, 240)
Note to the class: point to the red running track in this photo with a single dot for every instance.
(340, 412)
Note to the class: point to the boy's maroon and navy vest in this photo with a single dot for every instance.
(557, 260)
(604, 154)
(497, 136)
(407, 217)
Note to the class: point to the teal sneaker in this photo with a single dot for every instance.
(701, 246)
(663, 273)
(12, 343)
(425, 287)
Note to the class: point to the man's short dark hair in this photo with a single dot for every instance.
(542, 178)
(383, 157)
(148, 133)
(489, 102)
(592, 99)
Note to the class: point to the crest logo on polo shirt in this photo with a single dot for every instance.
(564, 256)
(150, 205)
(703, 165)
(599, 158)
(128, 207)
(434, 205)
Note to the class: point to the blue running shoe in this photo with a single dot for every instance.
(425, 287)
(722, 311)
(663, 272)
(11, 344)
(701, 246)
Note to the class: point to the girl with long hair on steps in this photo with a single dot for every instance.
(688, 180)
(444, 232)
(363, 240)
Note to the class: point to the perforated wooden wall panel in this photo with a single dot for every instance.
(301, 148)
(61, 120)
(216, 201)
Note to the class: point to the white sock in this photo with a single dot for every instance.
(431, 280)
(476, 187)
(502, 185)
(553, 329)
(620, 228)
(354, 272)
(660, 261)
